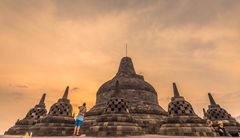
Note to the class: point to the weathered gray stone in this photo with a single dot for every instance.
(58, 122)
(216, 113)
(116, 119)
(182, 120)
(141, 96)
(33, 115)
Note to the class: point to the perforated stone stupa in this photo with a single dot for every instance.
(142, 98)
(58, 122)
(126, 105)
(33, 115)
(182, 120)
(216, 113)
(116, 119)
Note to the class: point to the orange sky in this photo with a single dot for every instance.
(47, 45)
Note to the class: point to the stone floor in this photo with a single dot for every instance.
(145, 136)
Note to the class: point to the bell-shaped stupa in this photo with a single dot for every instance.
(58, 122)
(217, 114)
(182, 120)
(116, 119)
(33, 115)
(142, 98)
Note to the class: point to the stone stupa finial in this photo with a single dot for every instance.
(212, 101)
(42, 100)
(175, 90)
(126, 67)
(204, 113)
(65, 95)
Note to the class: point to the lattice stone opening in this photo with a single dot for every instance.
(36, 113)
(61, 108)
(217, 113)
(180, 108)
(116, 105)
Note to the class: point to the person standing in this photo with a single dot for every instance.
(79, 119)
(221, 129)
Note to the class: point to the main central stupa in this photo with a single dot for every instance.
(141, 96)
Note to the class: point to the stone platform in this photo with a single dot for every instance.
(83, 136)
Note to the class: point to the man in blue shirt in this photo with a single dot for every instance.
(79, 119)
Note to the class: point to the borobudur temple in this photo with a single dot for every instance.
(126, 105)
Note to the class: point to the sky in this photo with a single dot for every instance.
(48, 45)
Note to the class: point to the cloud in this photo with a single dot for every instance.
(11, 95)
(74, 89)
(18, 86)
(234, 96)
